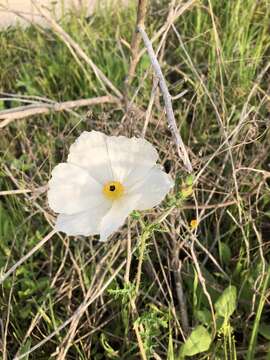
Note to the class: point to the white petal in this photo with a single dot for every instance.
(153, 188)
(131, 159)
(90, 152)
(73, 190)
(85, 223)
(117, 214)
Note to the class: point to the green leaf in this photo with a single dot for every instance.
(190, 179)
(110, 352)
(136, 215)
(264, 330)
(198, 341)
(204, 316)
(226, 303)
(225, 252)
(170, 352)
(24, 348)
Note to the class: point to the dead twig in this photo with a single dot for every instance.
(22, 112)
(182, 152)
(14, 192)
(135, 43)
(181, 296)
(176, 266)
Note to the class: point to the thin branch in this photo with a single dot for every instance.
(15, 192)
(150, 106)
(204, 288)
(181, 296)
(167, 101)
(42, 108)
(135, 43)
(210, 206)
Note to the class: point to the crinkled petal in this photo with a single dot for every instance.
(116, 216)
(85, 223)
(153, 188)
(91, 153)
(131, 159)
(73, 190)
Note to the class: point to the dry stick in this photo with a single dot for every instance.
(155, 80)
(205, 291)
(15, 192)
(135, 43)
(142, 7)
(177, 269)
(167, 100)
(179, 11)
(181, 297)
(33, 98)
(27, 256)
(42, 108)
(68, 40)
(209, 206)
(150, 106)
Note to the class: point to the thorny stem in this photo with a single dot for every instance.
(167, 101)
(144, 237)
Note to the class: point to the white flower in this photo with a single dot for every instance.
(104, 179)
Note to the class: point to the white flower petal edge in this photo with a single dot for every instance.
(131, 158)
(117, 215)
(73, 190)
(113, 157)
(153, 188)
(90, 151)
(85, 223)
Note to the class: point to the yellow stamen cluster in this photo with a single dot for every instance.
(113, 190)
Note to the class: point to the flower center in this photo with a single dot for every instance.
(113, 190)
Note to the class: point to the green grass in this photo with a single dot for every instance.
(215, 54)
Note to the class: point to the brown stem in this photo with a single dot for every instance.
(181, 297)
(45, 108)
(135, 43)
